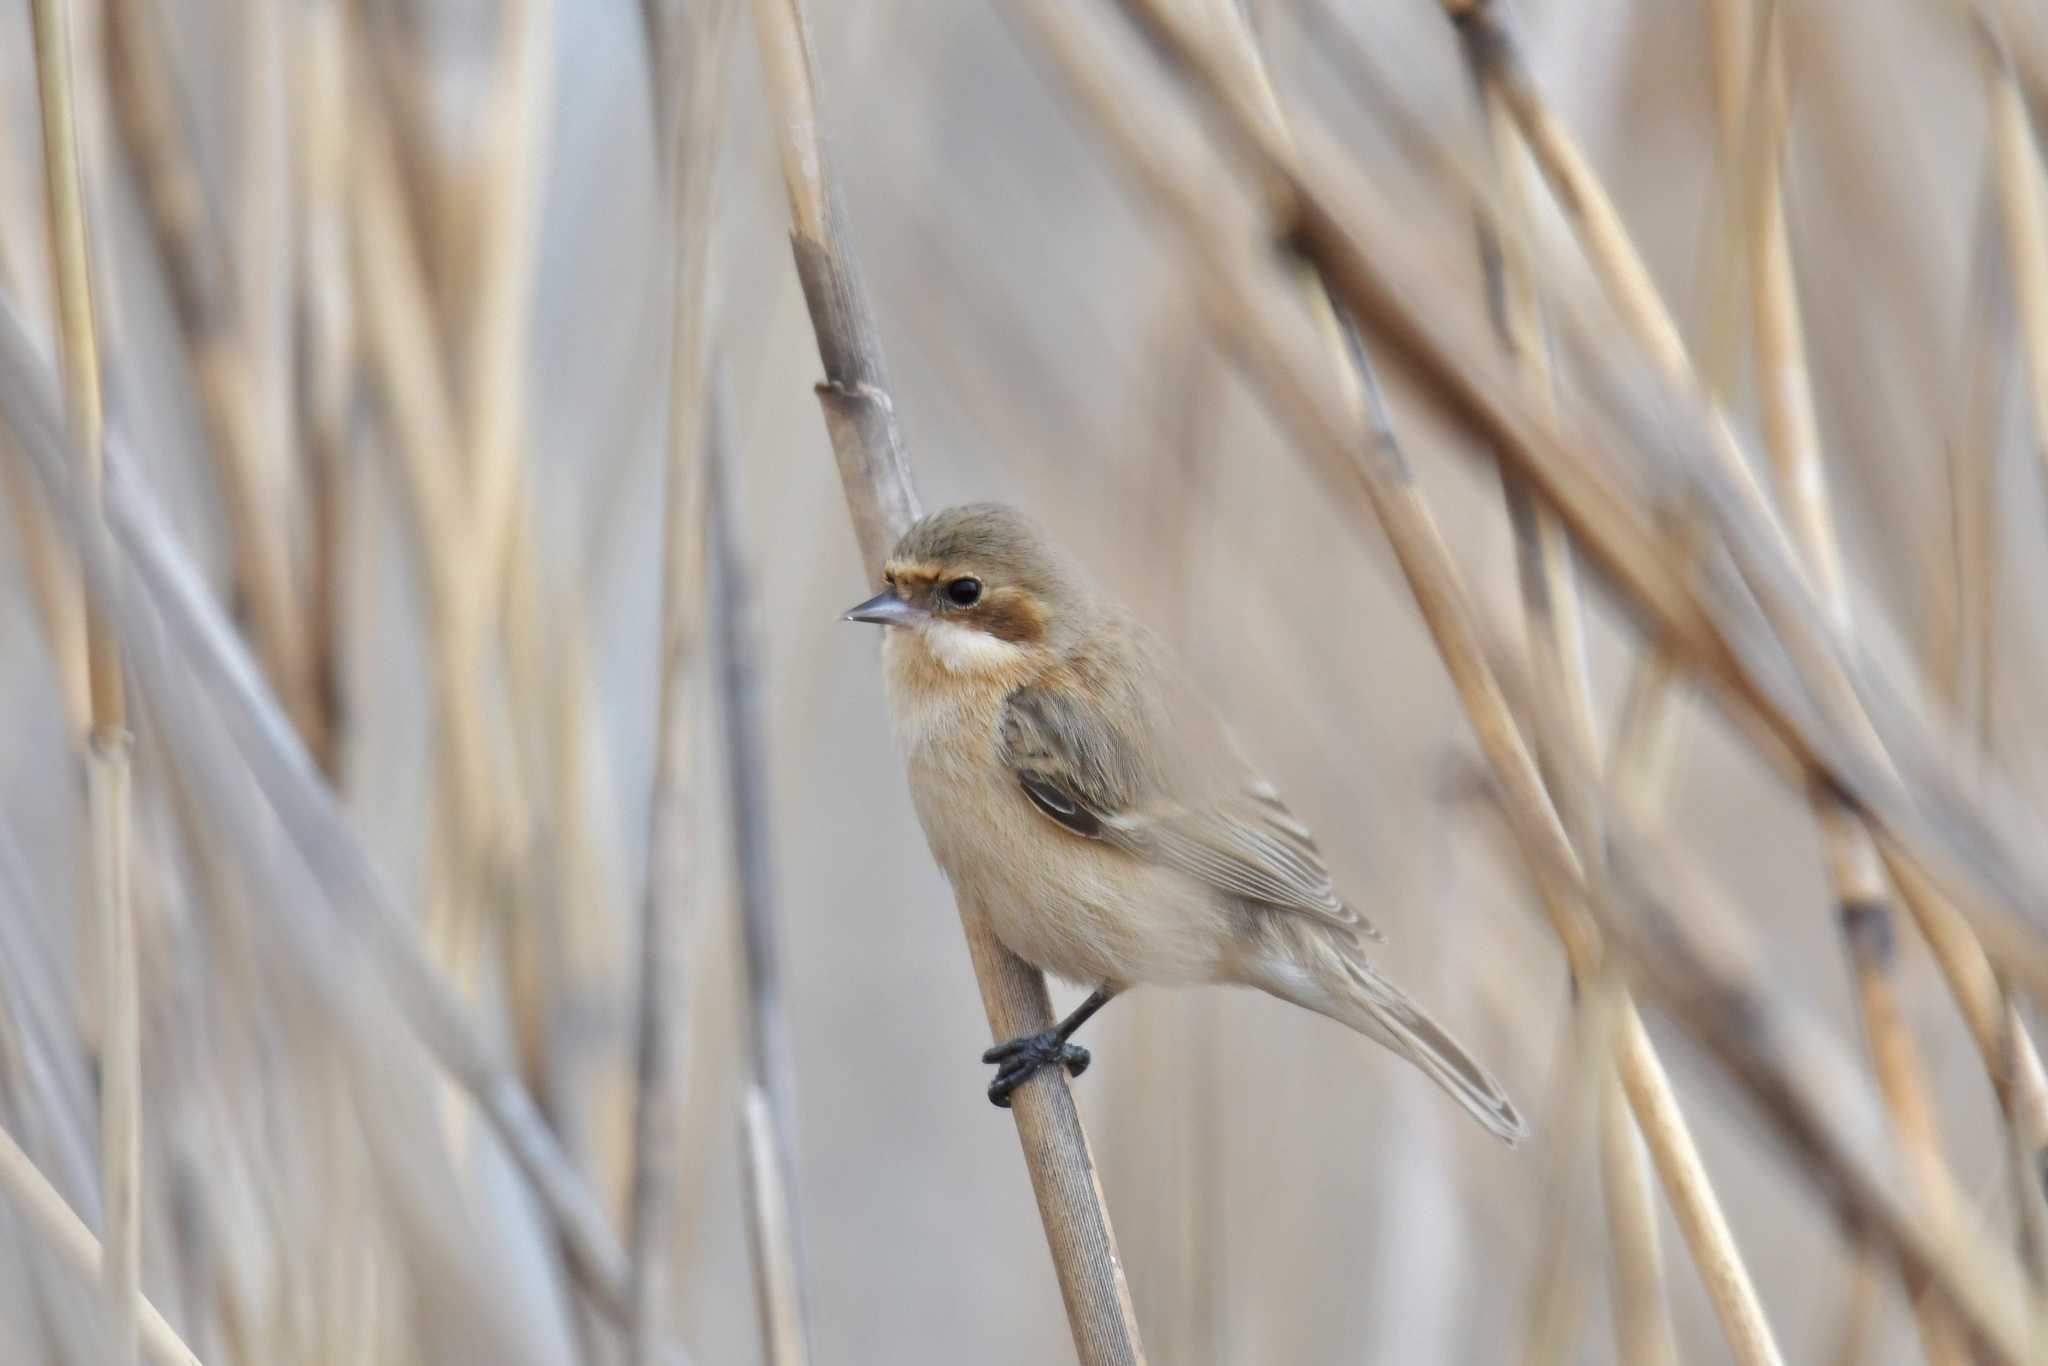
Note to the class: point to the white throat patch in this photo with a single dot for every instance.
(963, 650)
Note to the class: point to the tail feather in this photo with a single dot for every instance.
(1393, 1019)
(1347, 989)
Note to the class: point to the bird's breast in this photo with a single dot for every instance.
(941, 722)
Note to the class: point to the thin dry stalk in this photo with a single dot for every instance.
(120, 1053)
(399, 337)
(1681, 941)
(860, 416)
(319, 81)
(53, 584)
(1493, 52)
(476, 523)
(495, 381)
(475, 532)
(107, 748)
(140, 570)
(1637, 1297)
(1792, 435)
(1580, 195)
(657, 1111)
(1962, 634)
(70, 257)
(693, 145)
(1688, 948)
(780, 1267)
(2023, 208)
(52, 579)
(2002, 1041)
(1642, 748)
(1598, 517)
(479, 810)
(1563, 1272)
(482, 815)
(1556, 636)
(1743, 620)
(223, 360)
(771, 1224)
(1379, 471)
(67, 1236)
(1862, 1303)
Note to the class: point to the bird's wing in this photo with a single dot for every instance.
(1219, 824)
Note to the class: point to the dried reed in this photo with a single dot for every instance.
(107, 747)
(140, 569)
(768, 1120)
(1554, 625)
(221, 349)
(74, 1244)
(874, 473)
(1439, 594)
(1751, 44)
(341, 268)
(679, 780)
(1330, 244)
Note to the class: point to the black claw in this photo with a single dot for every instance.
(1019, 1059)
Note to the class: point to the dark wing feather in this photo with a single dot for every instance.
(1233, 833)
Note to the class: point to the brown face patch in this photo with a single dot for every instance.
(1011, 614)
(1006, 611)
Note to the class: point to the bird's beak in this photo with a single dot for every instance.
(886, 609)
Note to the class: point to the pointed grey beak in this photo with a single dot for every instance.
(885, 609)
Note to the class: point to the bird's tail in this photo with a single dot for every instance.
(1332, 981)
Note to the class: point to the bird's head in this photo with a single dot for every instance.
(982, 590)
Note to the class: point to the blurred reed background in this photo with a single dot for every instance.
(457, 351)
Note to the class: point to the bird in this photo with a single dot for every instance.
(1079, 793)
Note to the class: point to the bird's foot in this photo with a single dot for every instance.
(1017, 1060)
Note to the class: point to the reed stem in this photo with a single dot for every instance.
(874, 472)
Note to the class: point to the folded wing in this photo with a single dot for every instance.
(1213, 820)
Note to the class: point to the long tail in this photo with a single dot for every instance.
(1323, 977)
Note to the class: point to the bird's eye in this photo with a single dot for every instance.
(964, 592)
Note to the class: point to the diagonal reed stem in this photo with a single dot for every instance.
(1553, 624)
(1790, 427)
(1278, 363)
(874, 472)
(139, 571)
(1750, 40)
(59, 1226)
(1381, 473)
(1643, 737)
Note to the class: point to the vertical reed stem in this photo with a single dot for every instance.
(107, 748)
(2023, 207)
(690, 138)
(1556, 635)
(58, 1225)
(777, 1230)
(1792, 434)
(860, 416)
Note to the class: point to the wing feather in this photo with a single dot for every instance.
(1234, 835)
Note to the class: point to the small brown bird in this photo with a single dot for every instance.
(1078, 793)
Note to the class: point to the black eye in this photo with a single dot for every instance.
(964, 592)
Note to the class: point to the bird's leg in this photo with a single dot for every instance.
(1018, 1059)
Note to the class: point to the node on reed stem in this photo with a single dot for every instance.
(107, 747)
(875, 475)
